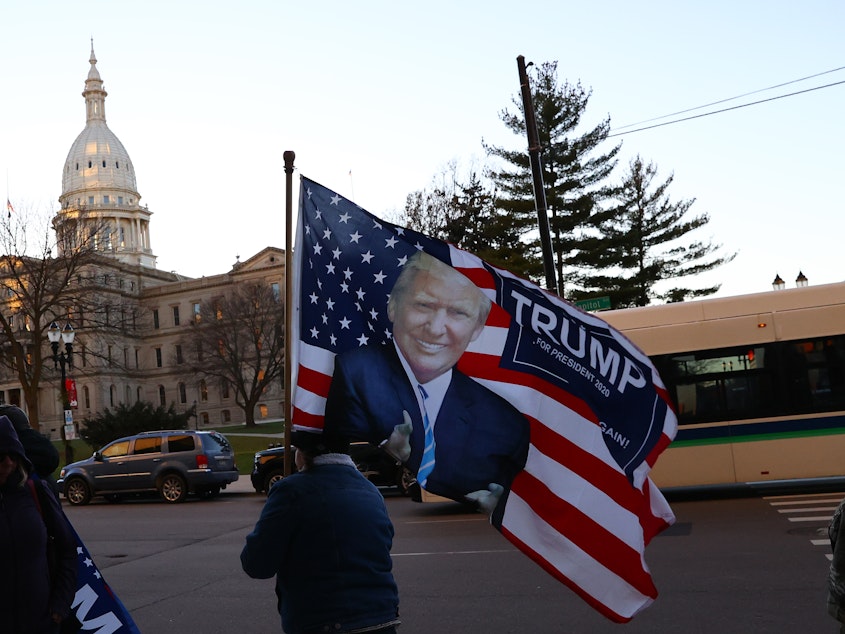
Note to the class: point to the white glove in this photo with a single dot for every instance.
(399, 444)
(487, 500)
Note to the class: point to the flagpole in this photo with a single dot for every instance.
(537, 174)
(289, 157)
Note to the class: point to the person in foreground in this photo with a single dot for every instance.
(325, 534)
(36, 590)
(836, 575)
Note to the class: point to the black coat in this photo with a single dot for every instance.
(29, 593)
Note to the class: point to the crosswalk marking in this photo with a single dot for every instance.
(816, 509)
(835, 503)
(813, 508)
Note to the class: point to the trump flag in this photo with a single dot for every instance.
(95, 604)
(583, 506)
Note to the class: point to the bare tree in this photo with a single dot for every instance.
(37, 288)
(239, 339)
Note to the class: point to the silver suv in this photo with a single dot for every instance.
(173, 463)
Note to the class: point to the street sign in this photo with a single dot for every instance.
(594, 303)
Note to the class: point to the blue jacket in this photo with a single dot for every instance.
(326, 536)
(480, 437)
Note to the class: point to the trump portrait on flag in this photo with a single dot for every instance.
(460, 439)
(489, 388)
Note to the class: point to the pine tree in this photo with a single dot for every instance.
(575, 174)
(466, 215)
(476, 225)
(643, 240)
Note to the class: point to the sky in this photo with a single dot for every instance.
(376, 98)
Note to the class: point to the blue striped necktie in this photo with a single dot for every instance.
(427, 463)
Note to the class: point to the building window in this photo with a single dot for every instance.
(112, 390)
(183, 393)
(197, 314)
(156, 323)
(104, 162)
(137, 365)
(90, 199)
(200, 355)
(203, 391)
(224, 389)
(227, 417)
(277, 295)
(262, 411)
(175, 315)
(138, 395)
(161, 396)
(105, 198)
(120, 200)
(109, 357)
(86, 397)
(204, 417)
(179, 358)
(158, 357)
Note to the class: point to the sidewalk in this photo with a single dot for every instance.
(241, 487)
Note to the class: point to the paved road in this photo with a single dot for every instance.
(730, 565)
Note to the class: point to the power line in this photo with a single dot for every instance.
(715, 103)
(707, 114)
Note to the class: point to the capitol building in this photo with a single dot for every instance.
(144, 362)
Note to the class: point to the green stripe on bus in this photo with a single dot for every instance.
(723, 440)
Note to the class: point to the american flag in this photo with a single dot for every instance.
(583, 508)
(9, 208)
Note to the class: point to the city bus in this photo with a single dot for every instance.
(758, 382)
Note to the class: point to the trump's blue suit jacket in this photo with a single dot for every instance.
(480, 438)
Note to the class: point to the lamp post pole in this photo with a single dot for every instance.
(63, 360)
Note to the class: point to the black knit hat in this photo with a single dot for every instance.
(10, 443)
(316, 443)
(16, 415)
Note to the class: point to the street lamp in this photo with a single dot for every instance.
(801, 280)
(63, 359)
(778, 284)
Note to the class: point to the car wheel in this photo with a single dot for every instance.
(272, 478)
(77, 492)
(405, 481)
(173, 488)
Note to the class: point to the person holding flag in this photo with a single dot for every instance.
(36, 589)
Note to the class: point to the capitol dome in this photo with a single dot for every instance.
(97, 159)
(98, 184)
